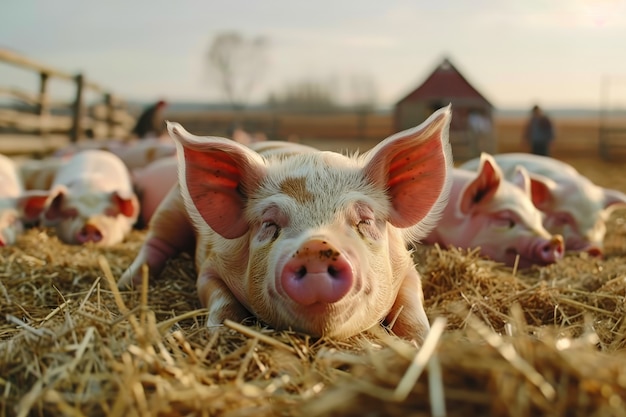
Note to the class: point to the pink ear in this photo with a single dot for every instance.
(613, 199)
(483, 187)
(541, 191)
(521, 179)
(126, 205)
(53, 208)
(31, 204)
(218, 173)
(413, 166)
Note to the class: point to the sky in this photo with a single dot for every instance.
(517, 53)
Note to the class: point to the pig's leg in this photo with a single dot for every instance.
(170, 232)
(215, 295)
(408, 315)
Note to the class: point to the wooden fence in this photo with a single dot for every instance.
(34, 123)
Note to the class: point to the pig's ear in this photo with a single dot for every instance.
(215, 177)
(483, 187)
(413, 166)
(125, 204)
(31, 204)
(53, 211)
(613, 199)
(521, 179)
(542, 190)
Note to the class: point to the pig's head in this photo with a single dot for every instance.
(17, 211)
(577, 209)
(102, 218)
(505, 223)
(316, 241)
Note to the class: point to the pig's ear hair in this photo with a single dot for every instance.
(483, 187)
(542, 190)
(52, 212)
(215, 176)
(414, 168)
(31, 204)
(613, 199)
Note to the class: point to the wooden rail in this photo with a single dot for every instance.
(49, 124)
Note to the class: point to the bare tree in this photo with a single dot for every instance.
(237, 64)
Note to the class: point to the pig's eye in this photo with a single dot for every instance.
(269, 230)
(504, 221)
(562, 219)
(367, 228)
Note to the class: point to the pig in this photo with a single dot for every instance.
(17, 206)
(487, 211)
(38, 174)
(91, 200)
(573, 206)
(312, 241)
(151, 184)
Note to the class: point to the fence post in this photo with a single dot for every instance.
(43, 109)
(77, 109)
(109, 100)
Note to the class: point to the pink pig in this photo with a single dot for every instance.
(489, 212)
(313, 241)
(572, 205)
(152, 183)
(92, 200)
(17, 206)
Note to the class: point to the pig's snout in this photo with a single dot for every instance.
(89, 233)
(317, 273)
(594, 251)
(551, 250)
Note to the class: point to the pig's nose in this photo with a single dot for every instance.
(89, 233)
(552, 250)
(317, 273)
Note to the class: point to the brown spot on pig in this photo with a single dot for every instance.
(296, 189)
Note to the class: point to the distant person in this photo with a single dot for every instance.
(539, 132)
(151, 123)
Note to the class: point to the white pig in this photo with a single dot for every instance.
(573, 206)
(313, 241)
(16, 205)
(92, 200)
(487, 211)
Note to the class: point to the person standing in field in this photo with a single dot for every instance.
(151, 123)
(539, 132)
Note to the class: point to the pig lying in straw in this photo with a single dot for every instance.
(572, 205)
(487, 211)
(17, 206)
(313, 241)
(92, 200)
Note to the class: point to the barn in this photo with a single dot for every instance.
(471, 127)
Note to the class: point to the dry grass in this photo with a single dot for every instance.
(546, 341)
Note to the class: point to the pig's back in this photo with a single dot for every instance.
(94, 170)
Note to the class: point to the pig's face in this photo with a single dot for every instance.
(320, 265)
(315, 241)
(578, 210)
(98, 218)
(504, 221)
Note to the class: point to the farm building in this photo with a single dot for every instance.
(471, 126)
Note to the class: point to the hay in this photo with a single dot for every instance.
(545, 341)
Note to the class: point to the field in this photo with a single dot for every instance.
(544, 341)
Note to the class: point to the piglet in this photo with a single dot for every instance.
(572, 205)
(487, 211)
(17, 206)
(92, 200)
(308, 240)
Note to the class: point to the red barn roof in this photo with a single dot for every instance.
(444, 82)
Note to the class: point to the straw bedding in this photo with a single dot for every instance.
(544, 341)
